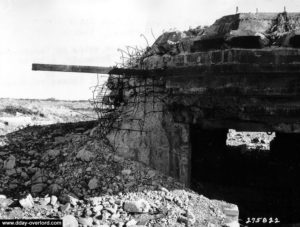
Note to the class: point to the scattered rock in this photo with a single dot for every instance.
(10, 163)
(132, 222)
(65, 207)
(59, 139)
(97, 208)
(232, 210)
(93, 183)
(111, 210)
(85, 221)
(53, 200)
(69, 221)
(117, 158)
(11, 172)
(13, 185)
(232, 224)
(32, 152)
(138, 206)
(38, 188)
(85, 155)
(52, 154)
(39, 177)
(191, 217)
(164, 189)
(27, 202)
(24, 175)
(73, 199)
(105, 215)
(87, 212)
(5, 202)
(188, 219)
(151, 173)
(54, 189)
(126, 171)
(45, 201)
(67, 198)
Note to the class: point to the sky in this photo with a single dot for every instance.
(89, 32)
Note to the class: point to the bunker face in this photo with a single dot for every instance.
(241, 73)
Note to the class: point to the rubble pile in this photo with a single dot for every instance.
(242, 30)
(64, 171)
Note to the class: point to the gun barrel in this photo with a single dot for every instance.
(94, 69)
(71, 68)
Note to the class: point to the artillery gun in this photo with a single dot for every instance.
(242, 73)
(245, 65)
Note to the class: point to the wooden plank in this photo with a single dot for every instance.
(71, 68)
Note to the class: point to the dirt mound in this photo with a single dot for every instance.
(68, 171)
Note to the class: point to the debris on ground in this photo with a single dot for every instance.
(62, 171)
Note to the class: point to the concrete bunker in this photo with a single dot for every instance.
(173, 105)
(208, 85)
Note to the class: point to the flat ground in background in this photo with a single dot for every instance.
(18, 113)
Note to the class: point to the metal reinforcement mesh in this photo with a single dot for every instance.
(127, 96)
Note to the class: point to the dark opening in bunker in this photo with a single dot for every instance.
(261, 183)
(295, 41)
(207, 44)
(246, 42)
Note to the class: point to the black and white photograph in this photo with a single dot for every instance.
(150, 113)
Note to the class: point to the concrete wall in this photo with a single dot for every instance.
(156, 111)
(149, 134)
